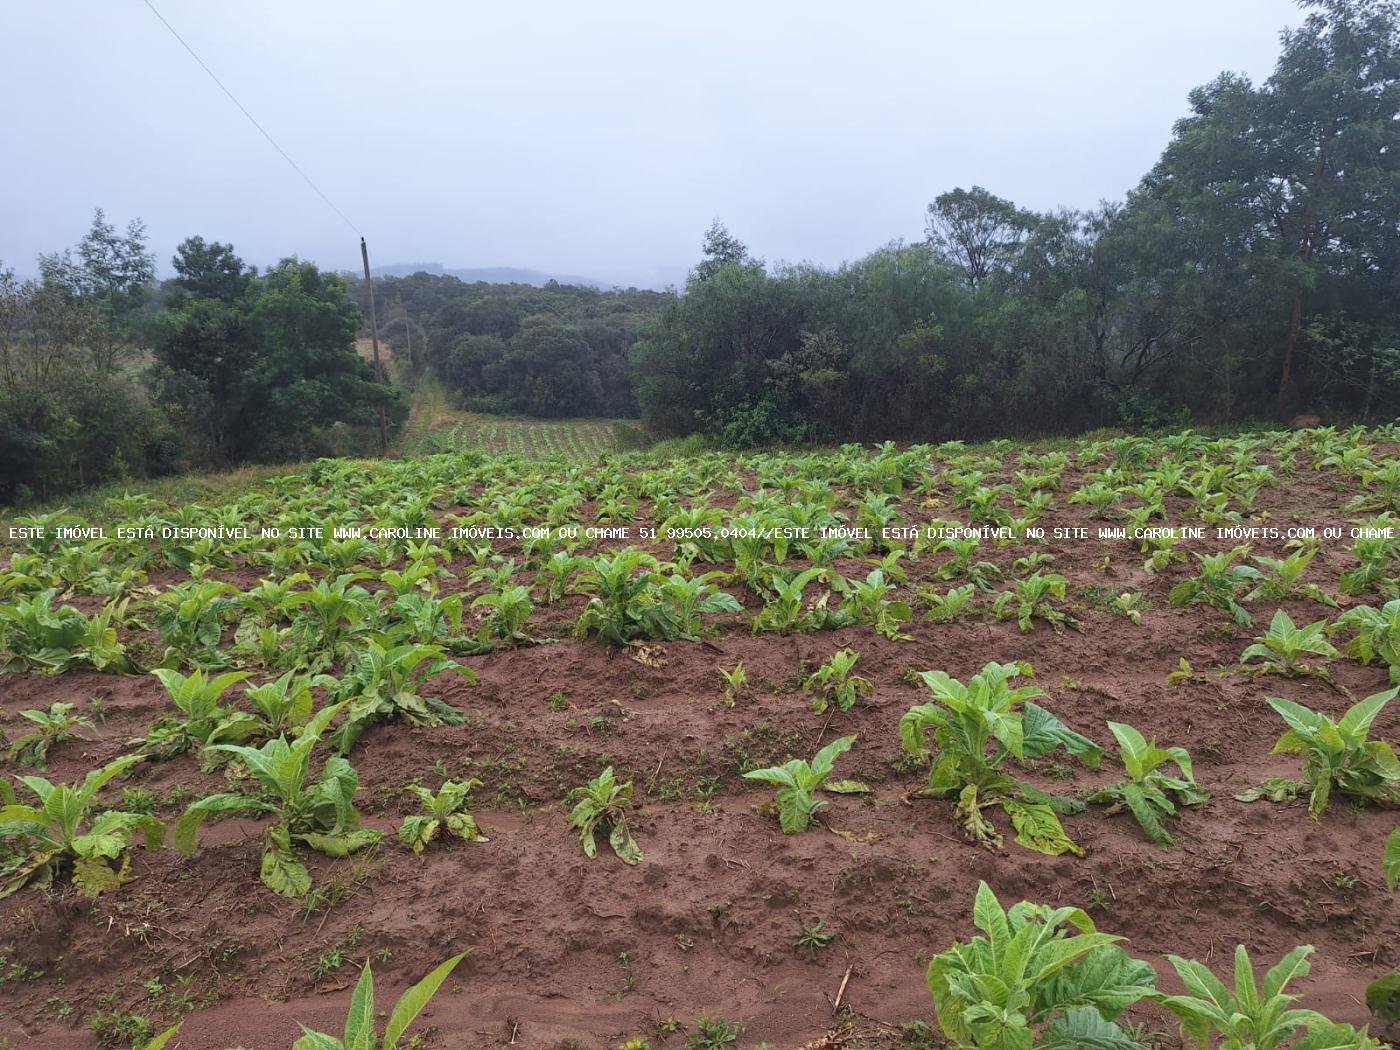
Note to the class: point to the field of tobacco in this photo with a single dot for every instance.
(1010, 746)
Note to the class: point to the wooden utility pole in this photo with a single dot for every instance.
(374, 339)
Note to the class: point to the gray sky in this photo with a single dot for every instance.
(596, 139)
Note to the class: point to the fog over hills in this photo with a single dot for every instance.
(489, 274)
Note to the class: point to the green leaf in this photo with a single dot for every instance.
(621, 841)
(826, 757)
(342, 845)
(412, 1002)
(317, 1041)
(1038, 828)
(1383, 996)
(847, 787)
(283, 873)
(158, 1043)
(359, 1020)
(1083, 1026)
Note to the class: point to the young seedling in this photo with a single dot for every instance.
(1149, 793)
(1254, 1015)
(813, 938)
(1336, 755)
(1283, 646)
(1031, 597)
(446, 810)
(360, 1022)
(68, 830)
(796, 781)
(56, 725)
(949, 607)
(736, 682)
(835, 683)
(1040, 976)
(603, 802)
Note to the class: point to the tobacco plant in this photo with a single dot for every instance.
(603, 802)
(1150, 794)
(1039, 977)
(1220, 583)
(69, 831)
(1377, 635)
(39, 638)
(1254, 1016)
(949, 607)
(190, 619)
(1031, 597)
(361, 1024)
(1282, 648)
(1337, 755)
(796, 781)
(321, 815)
(445, 810)
(978, 726)
(200, 720)
(834, 682)
(384, 684)
(56, 725)
(735, 682)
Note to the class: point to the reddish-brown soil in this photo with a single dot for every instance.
(568, 951)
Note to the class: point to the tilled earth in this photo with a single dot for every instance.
(572, 952)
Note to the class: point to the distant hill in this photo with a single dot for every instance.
(490, 274)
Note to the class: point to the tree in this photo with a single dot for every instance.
(721, 249)
(976, 230)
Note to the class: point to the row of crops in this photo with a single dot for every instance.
(280, 663)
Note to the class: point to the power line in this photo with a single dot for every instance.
(251, 119)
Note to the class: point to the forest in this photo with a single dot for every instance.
(1253, 273)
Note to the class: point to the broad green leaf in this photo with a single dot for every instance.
(1082, 1026)
(317, 1041)
(283, 873)
(1383, 996)
(1038, 828)
(342, 845)
(412, 1002)
(359, 1020)
(847, 787)
(1390, 862)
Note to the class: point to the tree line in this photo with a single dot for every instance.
(558, 351)
(107, 374)
(1253, 273)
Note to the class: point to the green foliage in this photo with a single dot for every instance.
(200, 719)
(603, 802)
(385, 683)
(951, 606)
(987, 713)
(1282, 647)
(190, 618)
(361, 1020)
(38, 637)
(1149, 793)
(796, 782)
(1377, 635)
(1390, 863)
(1032, 597)
(834, 682)
(1042, 977)
(735, 682)
(1255, 1016)
(1337, 755)
(56, 725)
(321, 815)
(69, 831)
(1221, 583)
(446, 809)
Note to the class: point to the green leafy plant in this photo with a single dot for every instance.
(1282, 578)
(285, 705)
(200, 719)
(813, 938)
(56, 725)
(67, 830)
(1284, 645)
(976, 728)
(320, 815)
(1220, 583)
(834, 682)
(1377, 635)
(599, 803)
(951, 606)
(385, 683)
(735, 682)
(446, 810)
(508, 612)
(360, 1022)
(190, 618)
(1032, 597)
(1254, 1016)
(1042, 977)
(785, 610)
(1149, 793)
(1337, 755)
(797, 781)
(46, 640)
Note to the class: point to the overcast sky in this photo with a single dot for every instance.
(596, 139)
